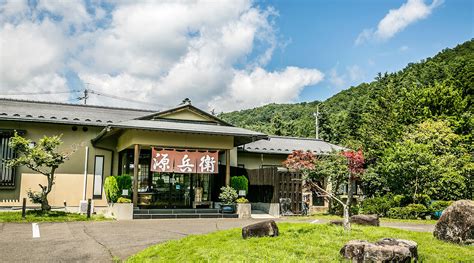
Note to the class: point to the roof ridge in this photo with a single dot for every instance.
(76, 105)
(294, 137)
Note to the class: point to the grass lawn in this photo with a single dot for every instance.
(297, 242)
(383, 220)
(52, 216)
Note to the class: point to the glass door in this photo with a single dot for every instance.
(172, 190)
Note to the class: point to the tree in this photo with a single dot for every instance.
(313, 170)
(42, 158)
(430, 160)
(355, 165)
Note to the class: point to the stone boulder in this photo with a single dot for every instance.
(384, 250)
(456, 224)
(262, 229)
(368, 220)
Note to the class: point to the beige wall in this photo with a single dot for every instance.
(72, 168)
(256, 160)
(68, 187)
(170, 139)
(185, 115)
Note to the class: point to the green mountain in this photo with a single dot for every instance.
(373, 115)
(415, 126)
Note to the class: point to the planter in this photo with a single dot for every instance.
(228, 209)
(244, 210)
(121, 211)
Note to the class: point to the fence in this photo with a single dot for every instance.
(268, 185)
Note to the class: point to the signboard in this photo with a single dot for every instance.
(167, 161)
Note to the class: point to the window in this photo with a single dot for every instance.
(7, 174)
(98, 176)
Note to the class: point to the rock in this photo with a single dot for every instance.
(368, 220)
(261, 229)
(354, 250)
(384, 250)
(411, 245)
(456, 224)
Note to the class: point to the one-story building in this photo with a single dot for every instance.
(168, 153)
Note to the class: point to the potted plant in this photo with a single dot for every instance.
(120, 208)
(244, 208)
(227, 197)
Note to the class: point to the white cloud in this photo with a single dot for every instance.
(160, 52)
(259, 87)
(398, 19)
(31, 54)
(351, 75)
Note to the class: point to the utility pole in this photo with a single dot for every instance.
(86, 94)
(316, 116)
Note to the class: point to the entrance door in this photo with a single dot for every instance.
(172, 190)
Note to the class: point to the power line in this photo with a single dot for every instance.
(38, 93)
(91, 91)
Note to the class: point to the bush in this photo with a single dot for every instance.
(228, 195)
(35, 197)
(242, 200)
(124, 200)
(112, 191)
(124, 182)
(336, 208)
(440, 205)
(240, 183)
(378, 205)
(411, 211)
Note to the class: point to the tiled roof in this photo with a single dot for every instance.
(50, 112)
(286, 145)
(241, 135)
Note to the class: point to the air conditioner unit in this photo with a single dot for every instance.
(83, 207)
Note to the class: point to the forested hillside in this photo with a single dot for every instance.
(426, 105)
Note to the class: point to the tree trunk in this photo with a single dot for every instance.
(347, 224)
(44, 197)
(44, 203)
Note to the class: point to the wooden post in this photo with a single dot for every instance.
(23, 209)
(136, 156)
(89, 202)
(227, 167)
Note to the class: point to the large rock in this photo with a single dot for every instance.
(261, 229)
(456, 224)
(369, 220)
(384, 250)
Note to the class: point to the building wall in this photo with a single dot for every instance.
(170, 139)
(185, 115)
(70, 175)
(257, 160)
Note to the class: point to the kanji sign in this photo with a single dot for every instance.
(166, 161)
(162, 161)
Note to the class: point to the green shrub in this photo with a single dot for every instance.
(124, 200)
(240, 183)
(440, 205)
(336, 208)
(411, 211)
(242, 200)
(378, 205)
(228, 195)
(112, 191)
(124, 182)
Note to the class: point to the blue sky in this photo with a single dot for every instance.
(322, 35)
(223, 55)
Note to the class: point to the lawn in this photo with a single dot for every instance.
(383, 220)
(52, 216)
(297, 242)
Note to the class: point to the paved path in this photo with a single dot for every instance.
(98, 241)
(105, 241)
